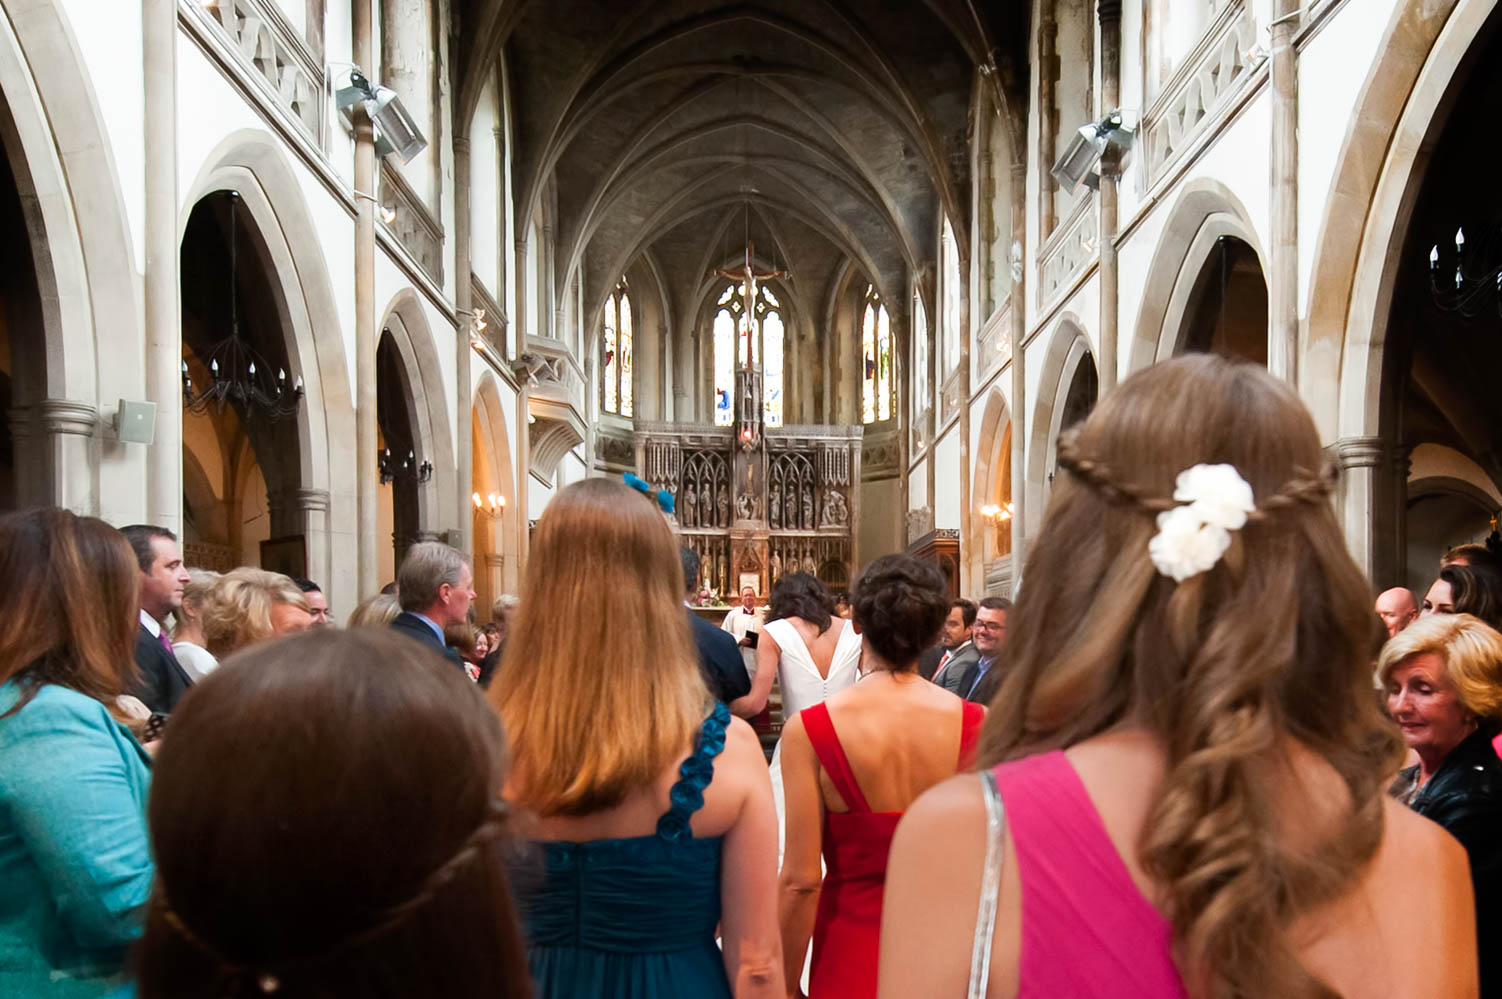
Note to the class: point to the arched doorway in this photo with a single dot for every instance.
(496, 566)
(22, 339)
(1226, 312)
(1443, 345)
(401, 464)
(242, 466)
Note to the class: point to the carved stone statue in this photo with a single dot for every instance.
(724, 505)
(810, 566)
(743, 507)
(836, 511)
(790, 520)
(690, 508)
(706, 506)
(774, 565)
(808, 509)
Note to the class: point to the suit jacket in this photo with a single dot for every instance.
(958, 672)
(162, 681)
(974, 686)
(415, 627)
(719, 660)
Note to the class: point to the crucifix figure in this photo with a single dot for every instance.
(747, 276)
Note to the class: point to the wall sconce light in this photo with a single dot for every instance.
(398, 132)
(493, 505)
(998, 515)
(1077, 164)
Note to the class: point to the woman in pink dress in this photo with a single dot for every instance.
(1184, 767)
(851, 764)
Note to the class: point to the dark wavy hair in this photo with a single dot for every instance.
(333, 828)
(900, 603)
(1475, 589)
(801, 595)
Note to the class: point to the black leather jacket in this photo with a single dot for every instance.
(1465, 796)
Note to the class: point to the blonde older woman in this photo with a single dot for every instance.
(247, 605)
(188, 643)
(1443, 677)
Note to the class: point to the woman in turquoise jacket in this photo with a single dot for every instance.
(74, 865)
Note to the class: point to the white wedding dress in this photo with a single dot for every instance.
(803, 687)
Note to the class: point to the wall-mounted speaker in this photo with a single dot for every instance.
(135, 422)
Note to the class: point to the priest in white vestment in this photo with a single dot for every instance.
(742, 621)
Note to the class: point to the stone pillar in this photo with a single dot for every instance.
(495, 573)
(1359, 498)
(1048, 110)
(164, 352)
(1402, 464)
(63, 434)
(463, 352)
(407, 49)
(1283, 255)
(1110, 174)
(312, 506)
(1018, 399)
(367, 511)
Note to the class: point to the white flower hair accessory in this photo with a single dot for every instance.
(1215, 500)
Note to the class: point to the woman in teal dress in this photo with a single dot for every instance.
(652, 817)
(74, 864)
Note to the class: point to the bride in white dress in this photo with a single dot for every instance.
(812, 653)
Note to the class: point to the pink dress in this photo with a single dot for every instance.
(1087, 932)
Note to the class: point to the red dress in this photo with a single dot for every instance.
(855, 847)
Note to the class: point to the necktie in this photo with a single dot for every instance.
(943, 661)
(161, 636)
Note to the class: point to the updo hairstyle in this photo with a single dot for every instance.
(900, 603)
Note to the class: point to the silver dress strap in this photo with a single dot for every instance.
(985, 919)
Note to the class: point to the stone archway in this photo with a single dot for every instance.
(1068, 373)
(321, 505)
(497, 568)
(1205, 213)
(412, 390)
(85, 276)
(1405, 101)
(993, 488)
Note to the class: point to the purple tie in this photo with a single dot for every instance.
(161, 636)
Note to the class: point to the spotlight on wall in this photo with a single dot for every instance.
(397, 132)
(1077, 165)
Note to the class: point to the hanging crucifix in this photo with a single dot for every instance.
(747, 276)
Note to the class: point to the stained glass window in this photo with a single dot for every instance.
(617, 393)
(876, 360)
(735, 332)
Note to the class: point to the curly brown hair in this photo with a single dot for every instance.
(1229, 669)
(900, 603)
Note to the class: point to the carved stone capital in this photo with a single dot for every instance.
(1359, 452)
(64, 416)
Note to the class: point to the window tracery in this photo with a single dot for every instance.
(876, 360)
(617, 388)
(763, 334)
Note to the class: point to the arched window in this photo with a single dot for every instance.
(734, 334)
(876, 354)
(616, 389)
(950, 317)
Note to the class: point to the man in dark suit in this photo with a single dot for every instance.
(435, 586)
(162, 681)
(990, 634)
(719, 657)
(945, 663)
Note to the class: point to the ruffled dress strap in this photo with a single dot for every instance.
(694, 775)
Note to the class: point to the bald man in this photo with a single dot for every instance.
(1397, 609)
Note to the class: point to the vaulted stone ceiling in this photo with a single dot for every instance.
(827, 132)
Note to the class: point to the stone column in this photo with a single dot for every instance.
(164, 352)
(1110, 174)
(1402, 464)
(312, 506)
(1359, 497)
(1283, 269)
(367, 512)
(407, 48)
(1019, 371)
(1048, 110)
(463, 352)
(67, 434)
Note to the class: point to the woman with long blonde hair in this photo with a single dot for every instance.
(1183, 777)
(652, 809)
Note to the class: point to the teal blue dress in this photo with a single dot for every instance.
(75, 868)
(633, 918)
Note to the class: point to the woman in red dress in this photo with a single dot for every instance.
(851, 765)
